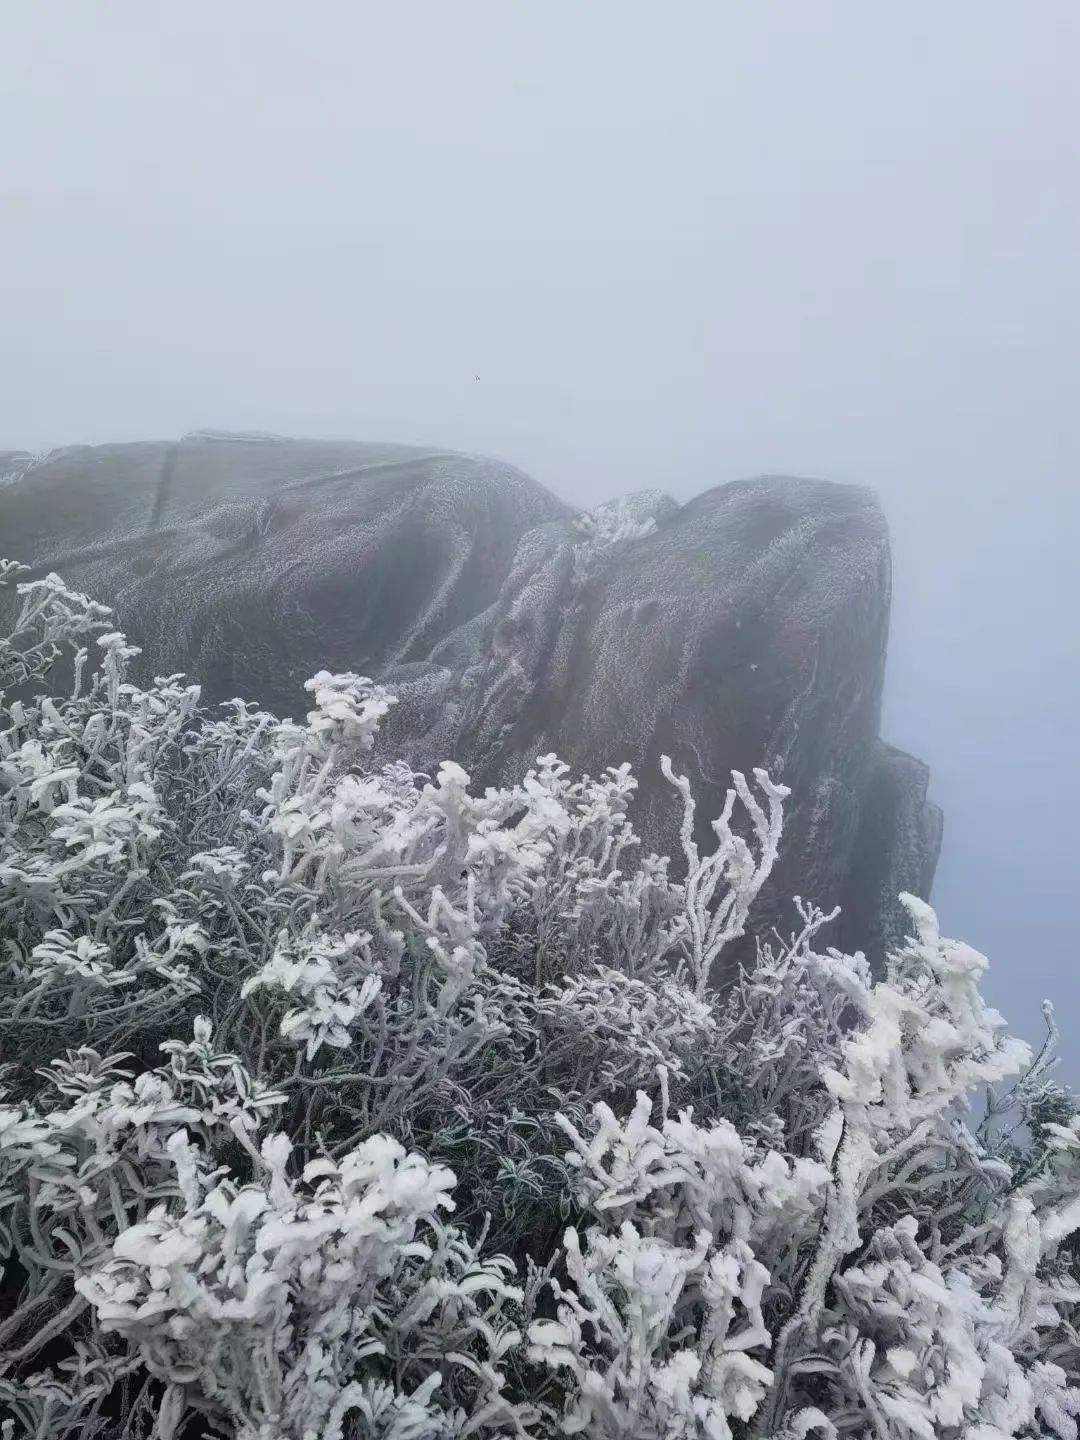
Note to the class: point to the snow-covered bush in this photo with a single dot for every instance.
(270, 1013)
(628, 517)
(261, 1304)
(671, 1281)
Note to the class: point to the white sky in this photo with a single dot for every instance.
(680, 243)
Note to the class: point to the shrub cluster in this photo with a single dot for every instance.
(342, 1101)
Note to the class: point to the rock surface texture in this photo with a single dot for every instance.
(747, 627)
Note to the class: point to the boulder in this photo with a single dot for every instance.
(249, 561)
(747, 627)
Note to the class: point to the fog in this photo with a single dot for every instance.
(623, 245)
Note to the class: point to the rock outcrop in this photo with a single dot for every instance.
(747, 627)
(247, 560)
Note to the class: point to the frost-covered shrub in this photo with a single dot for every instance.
(670, 1282)
(281, 1307)
(611, 524)
(271, 1013)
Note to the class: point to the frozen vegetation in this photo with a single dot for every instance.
(342, 1101)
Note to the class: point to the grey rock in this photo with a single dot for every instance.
(897, 850)
(745, 628)
(250, 561)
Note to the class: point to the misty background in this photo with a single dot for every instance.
(679, 244)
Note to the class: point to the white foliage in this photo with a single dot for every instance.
(670, 1282)
(613, 523)
(713, 920)
(311, 969)
(270, 1297)
(261, 1002)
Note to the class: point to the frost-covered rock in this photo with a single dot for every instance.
(745, 628)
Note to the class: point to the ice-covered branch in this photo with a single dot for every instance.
(713, 919)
